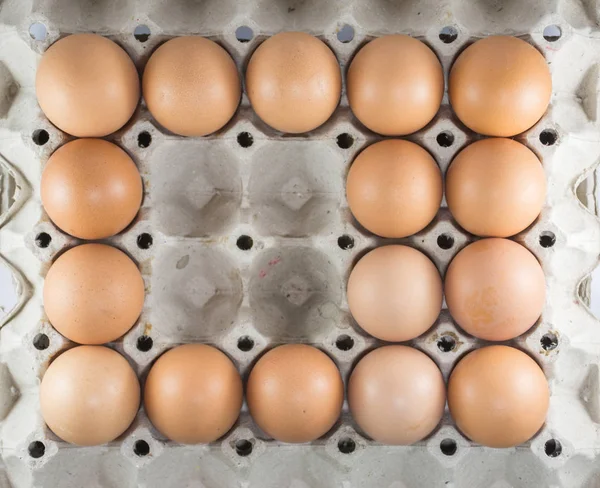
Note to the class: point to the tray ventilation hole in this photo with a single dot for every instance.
(448, 447)
(142, 33)
(244, 33)
(448, 34)
(40, 137)
(243, 447)
(345, 34)
(346, 445)
(41, 342)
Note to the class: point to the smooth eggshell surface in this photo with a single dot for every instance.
(193, 394)
(396, 395)
(87, 85)
(395, 293)
(89, 395)
(91, 188)
(395, 85)
(394, 188)
(93, 294)
(495, 289)
(295, 393)
(495, 187)
(294, 82)
(498, 396)
(500, 86)
(191, 86)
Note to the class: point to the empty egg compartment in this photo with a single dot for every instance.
(245, 241)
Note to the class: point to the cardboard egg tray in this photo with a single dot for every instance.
(245, 240)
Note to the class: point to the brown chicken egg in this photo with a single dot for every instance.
(500, 86)
(495, 187)
(394, 188)
(87, 85)
(395, 85)
(91, 188)
(395, 293)
(93, 294)
(294, 82)
(191, 86)
(295, 393)
(495, 289)
(498, 396)
(396, 395)
(193, 394)
(89, 395)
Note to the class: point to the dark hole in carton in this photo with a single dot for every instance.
(553, 448)
(346, 445)
(36, 449)
(448, 447)
(43, 240)
(141, 448)
(243, 447)
(245, 139)
(448, 34)
(344, 343)
(245, 243)
(144, 343)
(245, 343)
(144, 241)
(142, 33)
(346, 242)
(547, 239)
(41, 342)
(144, 139)
(446, 343)
(445, 241)
(40, 137)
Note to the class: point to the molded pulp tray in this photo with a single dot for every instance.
(287, 195)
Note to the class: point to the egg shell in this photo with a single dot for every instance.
(87, 85)
(495, 187)
(498, 396)
(395, 85)
(495, 289)
(191, 86)
(295, 393)
(395, 293)
(193, 394)
(294, 82)
(91, 188)
(89, 395)
(500, 86)
(93, 294)
(394, 188)
(396, 395)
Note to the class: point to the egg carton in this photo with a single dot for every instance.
(245, 241)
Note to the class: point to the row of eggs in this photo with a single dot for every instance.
(498, 396)
(89, 87)
(495, 290)
(495, 187)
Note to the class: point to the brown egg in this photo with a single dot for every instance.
(294, 82)
(395, 85)
(394, 188)
(191, 86)
(498, 396)
(295, 393)
(193, 394)
(495, 289)
(87, 85)
(495, 187)
(89, 395)
(93, 294)
(500, 86)
(395, 293)
(396, 395)
(91, 189)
